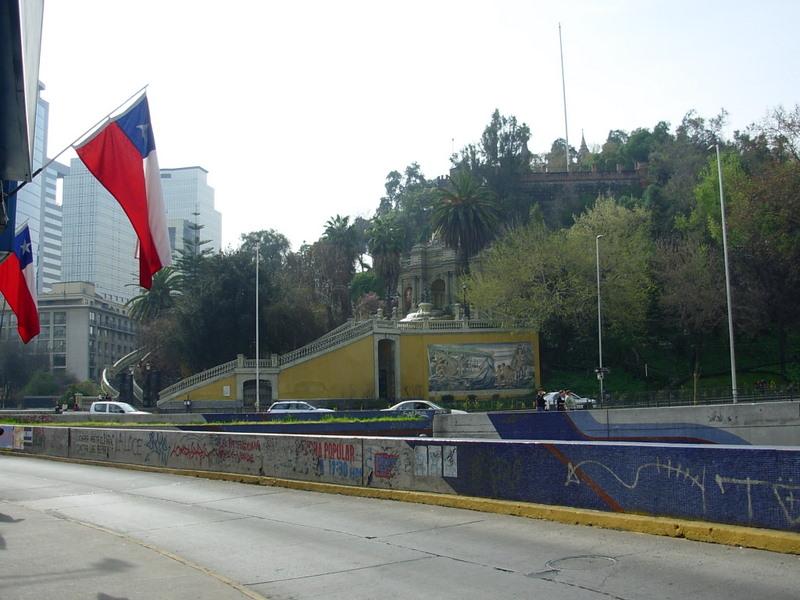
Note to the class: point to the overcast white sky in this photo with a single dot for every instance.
(299, 109)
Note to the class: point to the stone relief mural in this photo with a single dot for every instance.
(464, 367)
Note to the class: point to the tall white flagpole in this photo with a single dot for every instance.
(564, 94)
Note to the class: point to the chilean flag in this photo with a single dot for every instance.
(18, 285)
(122, 157)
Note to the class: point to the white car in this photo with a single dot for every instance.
(295, 407)
(115, 408)
(423, 405)
(573, 401)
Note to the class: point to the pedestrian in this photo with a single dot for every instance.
(561, 400)
(541, 403)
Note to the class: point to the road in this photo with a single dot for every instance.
(80, 531)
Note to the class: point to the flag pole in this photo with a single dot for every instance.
(72, 143)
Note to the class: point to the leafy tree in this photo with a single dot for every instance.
(41, 383)
(556, 159)
(766, 237)
(18, 363)
(692, 294)
(366, 282)
(466, 216)
(547, 278)
(273, 248)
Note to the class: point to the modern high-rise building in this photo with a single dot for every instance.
(189, 199)
(99, 243)
(50, 248)
(30, 199)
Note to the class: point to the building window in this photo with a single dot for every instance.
(59, 361)
(59, 332)
(44, 318)
(59, 318)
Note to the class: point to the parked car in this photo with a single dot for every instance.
(573, 401)
(295, 407)
(115, 408)
(423, 405)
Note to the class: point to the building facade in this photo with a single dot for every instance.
(428, 274)
(51, 247)
(81, 331)
(99, 243)
(189, 199)
(30, 199)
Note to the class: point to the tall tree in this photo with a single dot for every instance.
(466, 216)
(191, 257)
(502, 159)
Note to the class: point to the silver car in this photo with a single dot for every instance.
(293, 406)
(115, 408)
(408, 405)
(573, 401)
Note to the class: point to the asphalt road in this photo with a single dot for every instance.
(79, 531)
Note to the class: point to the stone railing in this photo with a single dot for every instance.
(344, 333)
(353, 330)
(211, 373)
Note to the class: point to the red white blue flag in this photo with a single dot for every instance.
(18, 285)
(122, 157)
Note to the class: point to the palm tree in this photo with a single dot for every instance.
(153, 303)
(338, 251)
(385, 243)
(466, 216)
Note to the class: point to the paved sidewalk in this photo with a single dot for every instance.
(43, 555)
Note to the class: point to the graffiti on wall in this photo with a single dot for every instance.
(464, 367)
(332, 460)
(436, 461)
(745, 495)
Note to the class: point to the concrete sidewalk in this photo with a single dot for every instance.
(44, 555)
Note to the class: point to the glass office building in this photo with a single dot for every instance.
(189, 198)
(98, 243)
(30, 199)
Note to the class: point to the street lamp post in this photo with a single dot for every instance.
(258, 377)
(600, 371)
(734, 390)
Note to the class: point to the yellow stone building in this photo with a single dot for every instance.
(377, 360)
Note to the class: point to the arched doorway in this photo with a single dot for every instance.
(437, 294)
(249, 394)
(386, 373)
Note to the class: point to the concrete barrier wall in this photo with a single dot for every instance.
(740, 485)
(773, 423)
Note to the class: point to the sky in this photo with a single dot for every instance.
(298, 110)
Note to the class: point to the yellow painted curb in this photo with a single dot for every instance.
(717, 533)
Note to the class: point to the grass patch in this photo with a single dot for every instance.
(282, 421)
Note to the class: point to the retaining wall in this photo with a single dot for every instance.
(772, 423)
(740, 485)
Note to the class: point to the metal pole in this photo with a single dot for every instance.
(76, 140)
(600, 373)
(258, 380)
(734, 391)
(564, 93)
